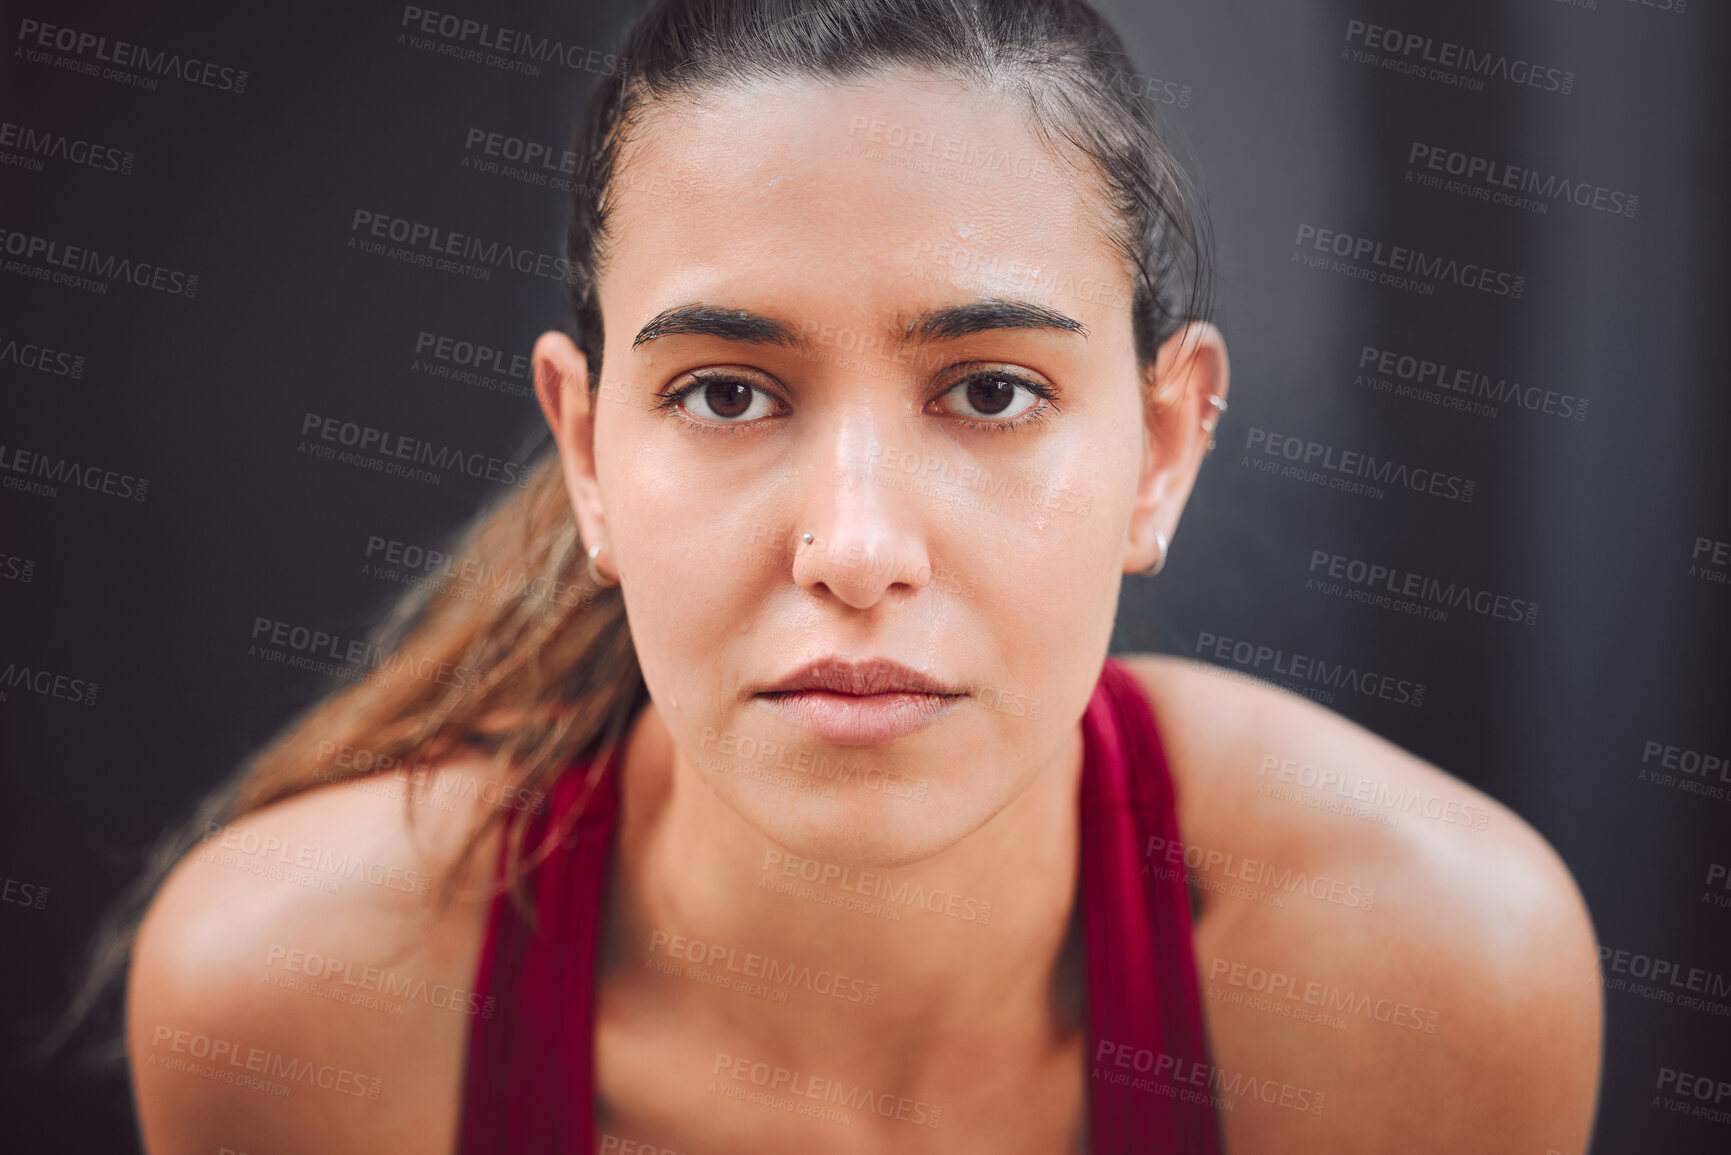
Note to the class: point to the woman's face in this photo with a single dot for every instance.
(915, 346)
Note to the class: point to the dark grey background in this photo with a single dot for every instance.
(1594, 520)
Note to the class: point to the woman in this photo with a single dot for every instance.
(816, 817)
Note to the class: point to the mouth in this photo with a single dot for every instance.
(860, 703)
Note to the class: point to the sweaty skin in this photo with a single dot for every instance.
(1429, 984)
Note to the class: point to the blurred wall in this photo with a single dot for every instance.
(1477, 326)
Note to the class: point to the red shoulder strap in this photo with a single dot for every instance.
(530, 1071)
(1150, 1082)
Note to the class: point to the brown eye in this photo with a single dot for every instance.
(726, 400)
(992, 394)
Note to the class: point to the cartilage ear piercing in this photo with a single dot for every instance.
(1219, 404)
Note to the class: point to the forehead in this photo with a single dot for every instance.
(880, 193)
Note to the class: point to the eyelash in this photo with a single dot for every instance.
(669, 399)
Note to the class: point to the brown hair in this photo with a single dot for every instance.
(548, 682)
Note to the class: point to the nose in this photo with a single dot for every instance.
(868, 540)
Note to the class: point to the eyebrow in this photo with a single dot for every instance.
(945, 324)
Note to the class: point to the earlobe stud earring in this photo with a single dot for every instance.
(1159, 555)
(595, 574)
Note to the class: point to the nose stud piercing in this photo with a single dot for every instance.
(806, 539)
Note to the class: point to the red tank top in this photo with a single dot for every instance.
(529, 1081)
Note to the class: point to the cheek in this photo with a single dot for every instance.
(1054, 559)
(1058, 528)
(700, 602)
(695, 559)
(1054, 585)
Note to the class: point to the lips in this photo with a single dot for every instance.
(860, 703)
(873, 676)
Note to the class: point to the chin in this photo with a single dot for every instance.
(856, 827)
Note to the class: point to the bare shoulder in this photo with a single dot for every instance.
(1374, 932)
(297, 985)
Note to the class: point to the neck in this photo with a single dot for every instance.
(974, 935)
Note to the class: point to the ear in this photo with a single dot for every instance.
(1179, 416)
(562, 387)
